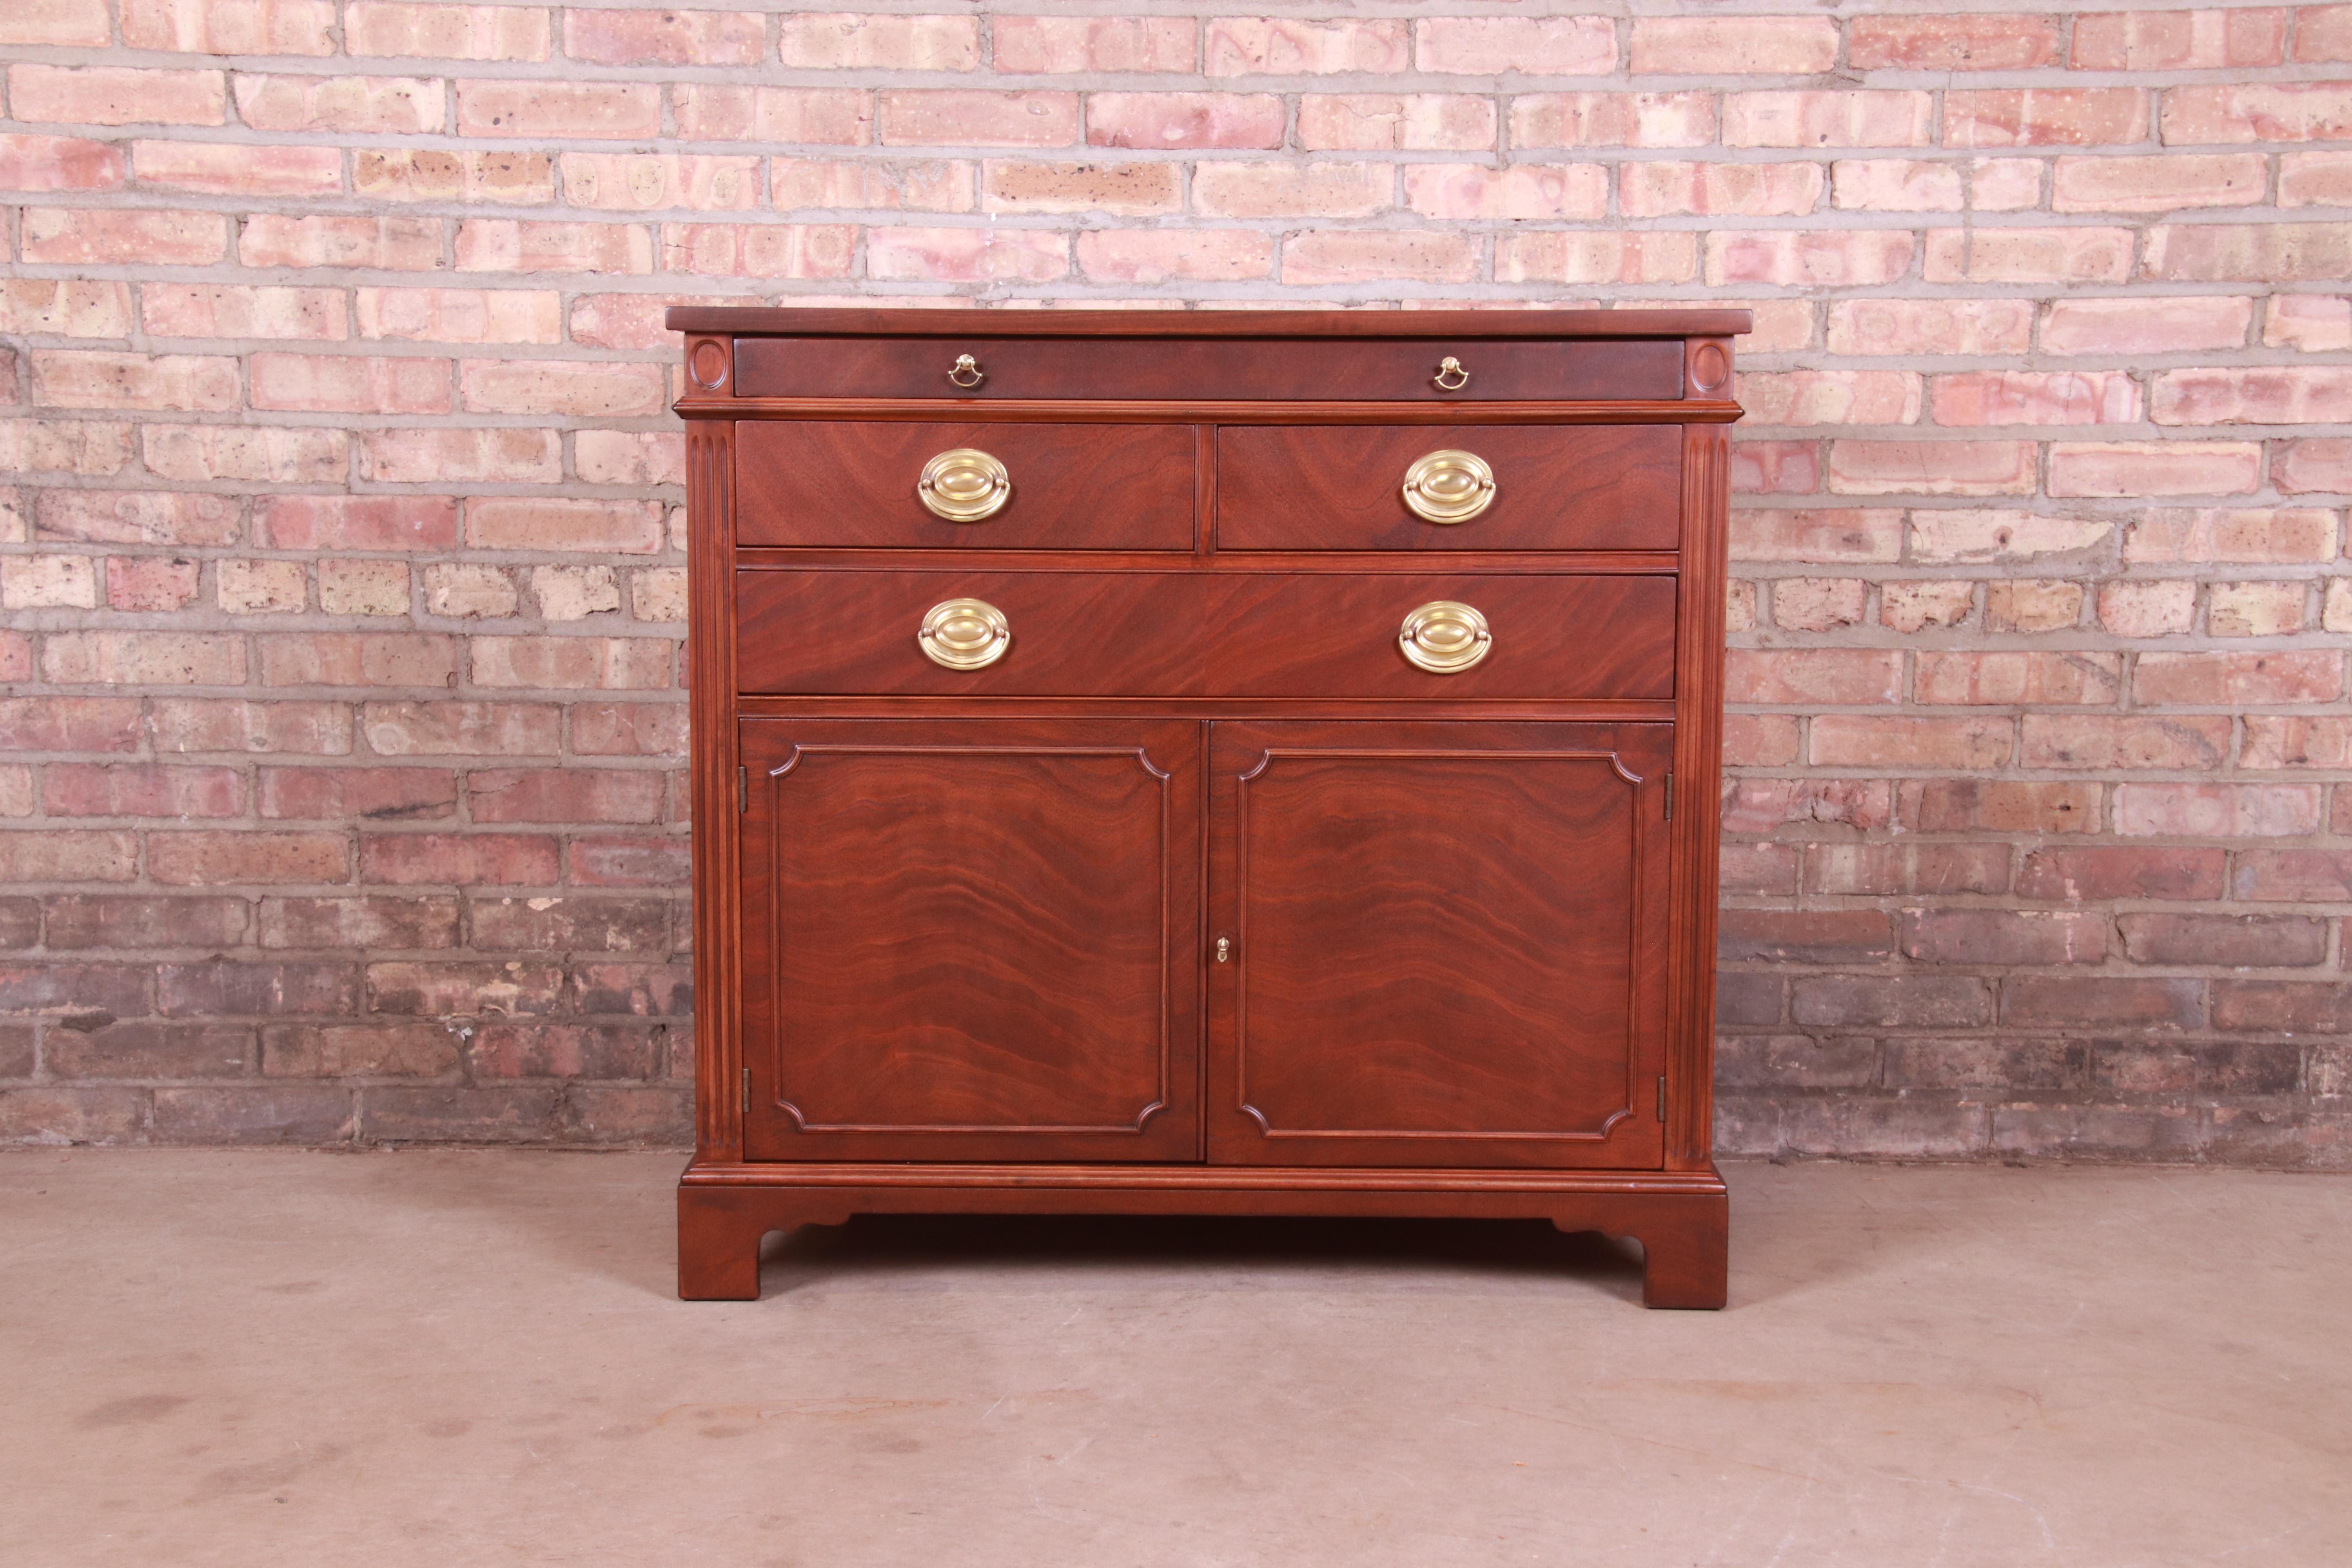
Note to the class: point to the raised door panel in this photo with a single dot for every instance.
(1447, 944)
(972, 940)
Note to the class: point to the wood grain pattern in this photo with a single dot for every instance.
(1690, 1081)
(717, 881)
(972, 940)
(1213, 410)
(1311, 487)
(1199, 634)
(1075, 487)
(1452, 943)
(1277, 369)
(870, 321)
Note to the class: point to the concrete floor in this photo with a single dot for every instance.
(455, 1358)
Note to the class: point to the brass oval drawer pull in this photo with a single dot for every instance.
(967, 372)
(1450, 367)
(964, 634)
(1449, 487)
(1445, 638)
(965, 484)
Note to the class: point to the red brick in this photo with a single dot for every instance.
(475, 858)
(1153, 257)
(562, 1050)
(1958, 43)
(77, 921)
(2216, 810)
(358, 658)
(68, 308)
(1827, 119)
(2257, 252)
(94, 237)
(1914, 606)
(86, 446)
(668, 37)
(2275, 1006)
(1932, 467)
(393, 244)
(1596, 256)
(2246, 941)
(1844, 740)
(510, 177)
(1766, 804)
(358, 1050)
(238, 169)
(2294, 875)
(909, 118)
(535, 109)
(140, 658)
(967, 255)
(1900, 1002)
(572, 925)
(1797, 257)
(1654, 189)
(2112, 871)
(1883, 869)
(563, 794)
(2265, 112)
(2125, 327)
(2046, 117)
(508, 1114)
(2154, 468)
(74, 988)
(613, 861)
(383, 105)
(907, 184)
(2027, 256)
(2268, 395)
(628, 729)
(2237, 679)
(2083, 1001)
(1059, 45)
(2311, 180)
(1758, 869)
(116, 95)
(1998, 805)
(766, 251)
(375, 795)
(1809, 677)
(2036, 398)
(1772, 45)
(203, 989)
(375, 923)
(644, 181)
(226, 858)
(645, 990)
(833, 115)
(605, 663)
(2323, 33)
(68, 855)
(1341, 256)
(2178, 40)
(59, 24)
(1126, 189)
(463, 728)
(447, 31)
(2157, 184)
(1389, 121)
(2003, 938)
(1865, 534)
(560, 388)
(2305, 465)
(1167, 119)
(1613, 120)
(231, 26)
(550, 523)
(140, 789)
(83, 378)
(1261, 46)
(2161, 607)
(58, 164)
(1776, 468)
(350, 383)
(1500, 45)
(1802, 936)
(1898, 185)
(360, 522)
(508, 246)
(2186, 742)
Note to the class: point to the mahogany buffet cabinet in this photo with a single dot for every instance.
(1206, 762)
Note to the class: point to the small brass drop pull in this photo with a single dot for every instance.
(1225, 949)
(967, 372)
(1450, 376)
(964, 634)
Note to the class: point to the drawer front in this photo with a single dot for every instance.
(1205, 634)
(1073, 487)
(1198, 369)
(1337, 487)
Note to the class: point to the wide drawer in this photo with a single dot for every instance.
(1204, 634)
(1339, 487)
(1204, 369)
(1072, 487)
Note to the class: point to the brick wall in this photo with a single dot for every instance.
(338, 515)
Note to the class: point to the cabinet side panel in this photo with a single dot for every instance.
(710, 652)
(1698, 764)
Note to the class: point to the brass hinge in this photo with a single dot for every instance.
(747, 1091)
(1662, 1099)
(1670, 794)
(743, 789)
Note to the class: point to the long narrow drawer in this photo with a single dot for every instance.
(858, 483)
(1196, 369)
(1207, 634)
(1545, 486)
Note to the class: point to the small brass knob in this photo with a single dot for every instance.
(967, 372)
(1449, 487)
(965, 484)
(1450, 376)
(1444, 637)
(964, 634)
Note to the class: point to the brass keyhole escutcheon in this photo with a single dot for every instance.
(966, 372)
(1450, 376)
(1225, 949)
(964, 634)
(1445, 638)
(1449, 487)
(965, 484)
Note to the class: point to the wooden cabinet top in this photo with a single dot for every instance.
(754, 321)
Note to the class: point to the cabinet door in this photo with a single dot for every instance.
(972, 939)
(1448, 943)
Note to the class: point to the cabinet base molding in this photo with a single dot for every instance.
(1682, 1218)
